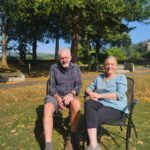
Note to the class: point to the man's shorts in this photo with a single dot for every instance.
(51, 99)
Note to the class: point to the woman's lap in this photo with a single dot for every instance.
(97, 114)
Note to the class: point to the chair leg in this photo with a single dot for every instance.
(121, 128)
(83, 141)
(135, 130)
(83, 138)
(84, 133)
(127, 143)
(127, 137)
(87, 139)
(128, 133)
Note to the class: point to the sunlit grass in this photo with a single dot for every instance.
(21, 118)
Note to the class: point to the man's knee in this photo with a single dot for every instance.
(75, 105)
(49, 109)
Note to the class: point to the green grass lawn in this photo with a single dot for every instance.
(21, 112)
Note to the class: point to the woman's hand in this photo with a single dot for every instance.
(94, 96)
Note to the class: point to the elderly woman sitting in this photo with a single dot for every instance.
(108, 101)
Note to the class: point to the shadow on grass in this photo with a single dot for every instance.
(61, 125)
(38, 131)
(104, 132)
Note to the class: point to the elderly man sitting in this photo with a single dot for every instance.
(65, 79)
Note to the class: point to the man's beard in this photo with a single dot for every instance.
(65, 65)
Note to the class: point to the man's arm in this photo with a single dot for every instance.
(53, 89)
(77, 86)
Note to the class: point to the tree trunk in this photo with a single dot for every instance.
(75, 36)
(88, 50)
(22, 50)
(57, 45)
(4, 63)
(34, 46)
(97, 54)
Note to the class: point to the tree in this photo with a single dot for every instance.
(58, 26)
(104, 22)
(96, 25)
(4, 50)
(75, 6)
(32, 16)
(5, 7)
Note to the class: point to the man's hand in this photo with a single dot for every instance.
(68, 98)
(60, 102)
(61, 106)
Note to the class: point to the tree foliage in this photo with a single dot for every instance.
(117, 52)
(96, 25)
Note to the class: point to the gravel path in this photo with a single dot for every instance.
(23, 84)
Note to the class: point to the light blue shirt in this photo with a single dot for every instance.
(118, 84)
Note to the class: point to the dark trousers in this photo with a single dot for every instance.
(97, 114)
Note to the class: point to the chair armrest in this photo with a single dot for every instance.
(47, 86)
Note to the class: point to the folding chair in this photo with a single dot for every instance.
(48, 87)
(126, 121)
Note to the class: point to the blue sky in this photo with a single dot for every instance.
(50, 48)
(140, 33)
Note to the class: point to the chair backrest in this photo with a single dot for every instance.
(48, 87)
(130, 92)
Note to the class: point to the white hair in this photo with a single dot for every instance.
(67, 50)
(111, 57)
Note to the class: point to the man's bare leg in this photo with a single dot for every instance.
(74, 121)
(74, 114)
(48, 124)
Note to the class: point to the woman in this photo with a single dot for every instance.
(108, 101)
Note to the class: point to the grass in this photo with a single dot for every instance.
(21, 119)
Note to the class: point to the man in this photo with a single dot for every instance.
(65, 86)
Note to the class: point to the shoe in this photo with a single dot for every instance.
(91, 148)
(68, 143)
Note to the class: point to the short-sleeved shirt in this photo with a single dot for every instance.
(118, 84)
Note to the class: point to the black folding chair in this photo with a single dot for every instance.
(48, 87)
(126, 121)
